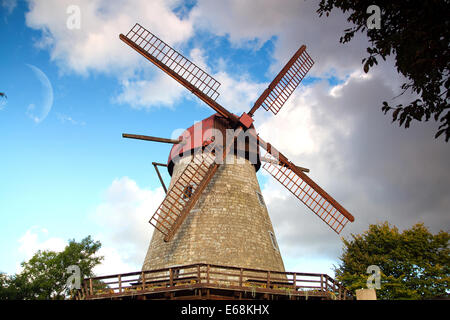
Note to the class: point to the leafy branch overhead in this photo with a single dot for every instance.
(417, 35)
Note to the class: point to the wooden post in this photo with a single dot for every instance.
(240, 277)
(170, 277)
(295, 281)
(207, 275)
(120, 283)
(90, 287)
(199, 280)
(86, 292)
(143, 280)
(321, 282)
(268, 279)
(159, 176)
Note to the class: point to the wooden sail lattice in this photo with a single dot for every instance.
(185, 191)
(308, 192)
(173, 60)
(287, 81)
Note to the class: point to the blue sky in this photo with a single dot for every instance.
(55, 171)
(71, 174)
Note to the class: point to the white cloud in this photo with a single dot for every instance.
(291, 23)
(162, 90)
(198, 57)
(9, 5)
(114, 262)
(36, 238)
(238, 93)
(68, 119)
(96, 47)
(123, 216)
(296, 120)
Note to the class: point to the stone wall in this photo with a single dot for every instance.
(228, 226)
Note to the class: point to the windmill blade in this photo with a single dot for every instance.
(305, 189)
(177, 66)
(164, 55)
(274, 161)
(187, 189)
(280, 89)
(185, 192)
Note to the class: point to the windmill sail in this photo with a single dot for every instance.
(184, 193)
(274, 97)
(307, 191)
(170, 60)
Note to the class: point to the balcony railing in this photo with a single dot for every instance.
(213, 276)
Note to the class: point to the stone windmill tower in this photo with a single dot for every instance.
(213, 211)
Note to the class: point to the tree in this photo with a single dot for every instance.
(44, 276)
(417, 34)
(13, 287)
(415, 264)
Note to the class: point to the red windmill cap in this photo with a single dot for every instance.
(194, 137)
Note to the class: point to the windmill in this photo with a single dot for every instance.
(213, 211)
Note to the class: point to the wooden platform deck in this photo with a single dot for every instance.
(206, 281)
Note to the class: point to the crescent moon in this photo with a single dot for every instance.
(47, 93)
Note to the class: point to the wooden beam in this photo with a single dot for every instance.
(150, 138)
(155, 164)
(160, 164)
(265, 159)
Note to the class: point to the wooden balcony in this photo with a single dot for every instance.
(207, 281)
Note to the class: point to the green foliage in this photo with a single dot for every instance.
(417, 33)
(415, 264)
(44, 276)
(14, 287)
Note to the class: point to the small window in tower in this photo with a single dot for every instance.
(274, 241)
(187, 192)
(260, 198)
